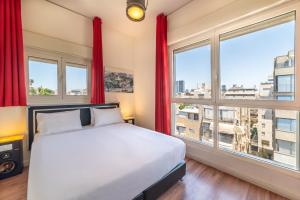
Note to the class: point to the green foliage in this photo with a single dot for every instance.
(32, 91)
(264, 154)
(253, 133)
(45, 91)
(181, 106)
(40, 90)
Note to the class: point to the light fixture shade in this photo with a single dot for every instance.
(136, 10)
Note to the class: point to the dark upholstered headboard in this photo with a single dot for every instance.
(85, 114)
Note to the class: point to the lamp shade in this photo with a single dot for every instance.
(136, 10)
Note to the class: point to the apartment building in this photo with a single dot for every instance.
(240, 92)
(285, 122)
(284, 76)
(188, 121)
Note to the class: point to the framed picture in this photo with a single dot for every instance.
(116, 81)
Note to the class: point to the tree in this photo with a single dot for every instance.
(253, 133)
(32, 90)
(181, 106)
(45, 91)
(40, 90)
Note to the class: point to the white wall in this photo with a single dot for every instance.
(50, 27)
(144, 60)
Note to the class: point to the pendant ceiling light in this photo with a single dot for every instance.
(136, 10)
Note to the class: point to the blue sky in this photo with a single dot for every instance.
(245, 60)
(76, 78)
(45, 74)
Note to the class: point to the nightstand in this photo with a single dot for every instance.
(129, 120)
(11, 155)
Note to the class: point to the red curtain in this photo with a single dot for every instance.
(162, 82)
(12, 74)
(97, 67)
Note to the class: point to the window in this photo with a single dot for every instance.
(248, 108)
(285, 83)
(285, 147)
(226, 115)
(43, 77)
(285, 98)
(76, 80)
(192, 71)
(288, 125)
(54, 78)
(255, 59)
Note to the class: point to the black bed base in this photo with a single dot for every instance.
(158, 188)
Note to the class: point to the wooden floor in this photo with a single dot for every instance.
(200, 183)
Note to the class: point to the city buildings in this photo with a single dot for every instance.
(266, 133)
(286, 122)
(180, 86)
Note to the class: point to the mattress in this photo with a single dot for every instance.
(115, 162)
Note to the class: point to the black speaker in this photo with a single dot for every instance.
(11, 158)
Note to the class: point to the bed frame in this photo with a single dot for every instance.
(151, 193)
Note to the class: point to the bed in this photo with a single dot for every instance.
(113, 162)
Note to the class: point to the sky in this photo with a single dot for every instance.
(45, 74)
(246, 60)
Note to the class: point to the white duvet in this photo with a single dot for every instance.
(115, 162)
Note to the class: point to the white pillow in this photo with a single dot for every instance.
(104, 117)
(48, 123)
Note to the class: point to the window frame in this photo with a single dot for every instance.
(62, 60)
(213, 35)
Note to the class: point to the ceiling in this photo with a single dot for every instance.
(113, 12)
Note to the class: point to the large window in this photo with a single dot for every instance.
(193, 71)
(245, 97)
(255, 61)
(56, 78)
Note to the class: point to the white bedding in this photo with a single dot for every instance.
(115, 162)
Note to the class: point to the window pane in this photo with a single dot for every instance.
(257, 62)
(265, 133)
(42, 77)
(286, 147)
(193, 72)
(194, 122)
(285, 83)
(288, 125)
(76, 80)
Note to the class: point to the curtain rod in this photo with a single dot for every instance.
(73, 11)
(90, 18)
(170, 13)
